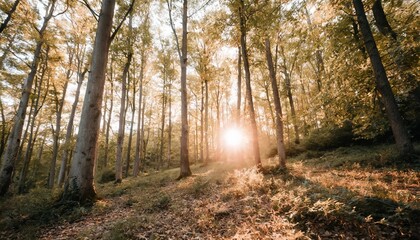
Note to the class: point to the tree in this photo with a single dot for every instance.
(13, 142)
(9, 15)
(182, 53)
(279, 122)
(254, 129)
(399, 130)
(80, 185)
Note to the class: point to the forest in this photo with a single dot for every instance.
(211, 119)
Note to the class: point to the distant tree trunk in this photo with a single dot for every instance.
(9, 16)
(163, 114)
(39, 156)
(288, 86)
(202, 122)
(13, 142)
(206, 119)
(80, 186)
(276, 98)
(169, 122)
(35, 108)
(239, 87)
(121, 127)
(108, 125)
(255, 142)
(399, 130)
(140, 117)
(59, 110)
(130, 137)
(69, 133)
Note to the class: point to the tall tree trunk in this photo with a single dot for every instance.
(380, 20)
(121, 127)
(80, 185)
(69, 133)
(276, 98)
(399, 130)
(56, 137)
(185, 170)
(108, 125)
(35, 108)
(254, 130)
(13, 142)
(140, 117)
(130, 137)
(202, 122)
(162, 123)
(169, 123)
(239, 87)
(206, 119)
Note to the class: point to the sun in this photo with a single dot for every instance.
(233, 137)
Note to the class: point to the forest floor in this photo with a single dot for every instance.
(348, 193)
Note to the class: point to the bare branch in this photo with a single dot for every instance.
(178, 48)
(122, 21)
(95, 15)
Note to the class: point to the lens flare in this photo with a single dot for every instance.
(233, 137)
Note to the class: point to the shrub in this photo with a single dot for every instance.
(107, 175)
(329, 137)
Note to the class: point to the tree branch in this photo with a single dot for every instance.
(122, 21)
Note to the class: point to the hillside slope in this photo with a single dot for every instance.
(330, 195)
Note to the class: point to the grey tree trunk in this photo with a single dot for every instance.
(56, 138)
(80, 186)
(121, 127)
(70, 124)
(399, 130)
(13, 142)
(254, 130)
(276, 98)
(140, 117)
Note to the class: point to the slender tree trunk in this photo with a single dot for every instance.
(276, 98)
(80, 185)
(399, 130)
(162, 123)
(140, 117)
(59, 110)
(121, 128)
(206, 120)
(185, 164)
(130, 137)
(239, 87)
(35, 108)
(254, 130)
(13, 142)
(108, 126)
(169, 123)
(202, 122)
(69, 133)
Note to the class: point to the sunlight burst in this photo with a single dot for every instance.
(234, 137)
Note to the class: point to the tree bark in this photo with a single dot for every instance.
(254, 130)
(276, 98)
(70, 124)
(56, 132)
(139, 140)
(121, 128)
(13, 142)
(185, 170)
(80, 186)
(399, 130)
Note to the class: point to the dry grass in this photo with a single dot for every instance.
(314, 199)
